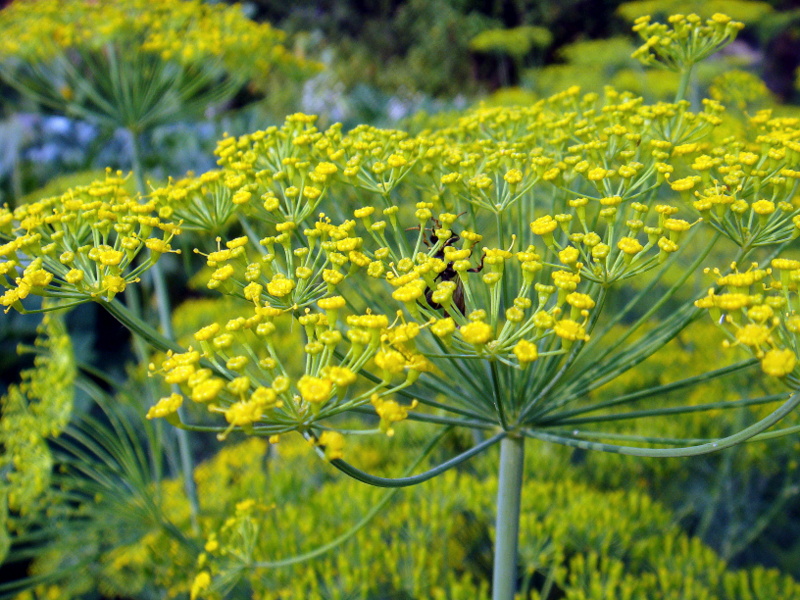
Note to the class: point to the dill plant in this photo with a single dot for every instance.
(467, 277)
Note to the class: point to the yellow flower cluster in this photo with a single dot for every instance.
(87, 244)
(618, 253)
(188, 32)
(206, 203)
(747, 192)
(759, 309)
(685, 41)
(243, 372)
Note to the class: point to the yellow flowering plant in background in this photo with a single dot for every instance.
(134, 64)
(137, 64)
(472, 276)
(34, 411)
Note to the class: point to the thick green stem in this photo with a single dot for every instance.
(686, 76)
(509, 491)
(165, 321)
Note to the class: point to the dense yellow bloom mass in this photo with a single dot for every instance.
(187, 31)
(36, 408)
(374, 263)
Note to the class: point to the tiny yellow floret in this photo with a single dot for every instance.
(315, 390)
(477, 333)
(544, 225)
(526, 352)
(630, 246)
(778, 363)
(333, 442)
(165, 406)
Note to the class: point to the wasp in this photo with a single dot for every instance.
(449, 273)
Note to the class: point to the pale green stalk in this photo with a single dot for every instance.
(509, 492)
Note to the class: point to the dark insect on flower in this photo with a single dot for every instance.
(449, 273)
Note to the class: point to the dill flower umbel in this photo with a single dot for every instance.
(477, 287)
(88, 244)
(392, 296)
(686, 40)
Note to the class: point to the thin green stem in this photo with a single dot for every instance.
(651, 392)
(138, 327)
(509, 493)
(364, 477)
(388, 496)
(498, 395)
(775, 433)
(694, 450)
(673, 410)
(438, 419)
